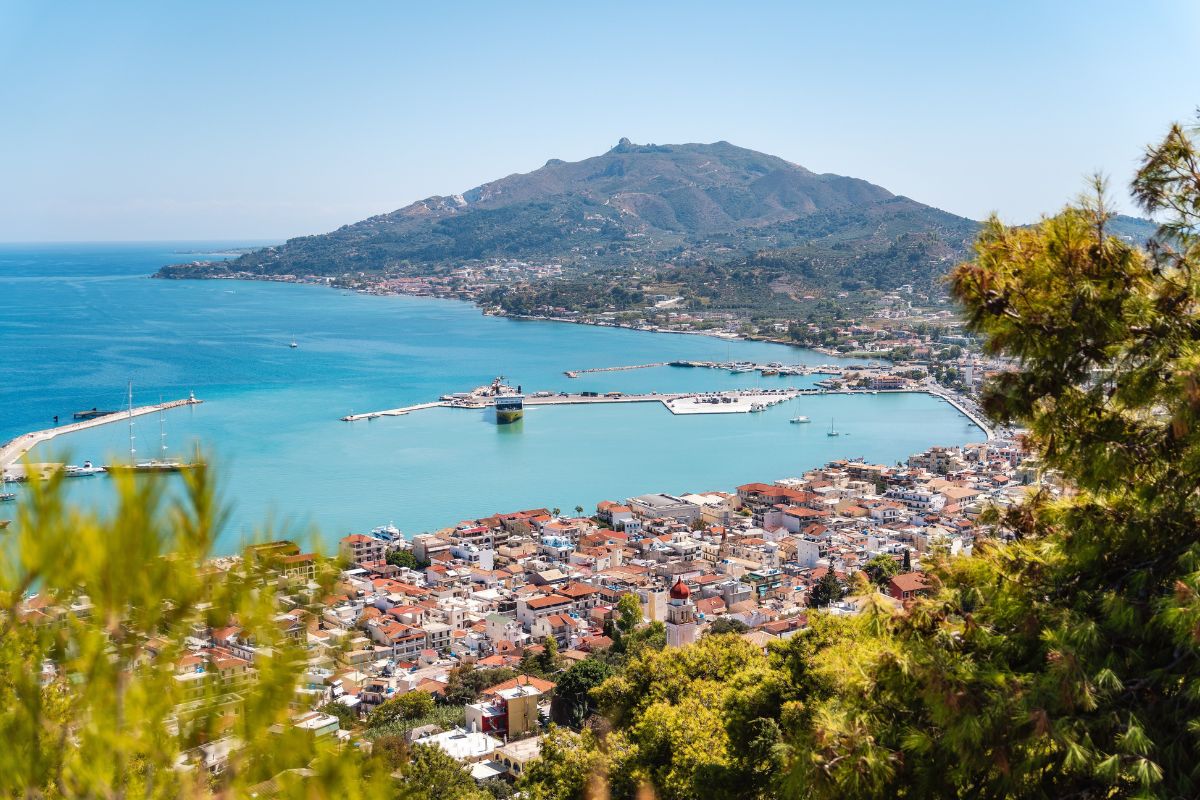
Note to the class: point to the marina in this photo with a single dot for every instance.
(12, 451)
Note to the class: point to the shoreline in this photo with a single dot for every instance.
(16, 448)
(501, 313)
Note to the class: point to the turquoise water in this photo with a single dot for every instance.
(78, 322)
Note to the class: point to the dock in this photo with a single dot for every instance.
(575, 373)
(14, 450)
(397, 412)
(728, 401)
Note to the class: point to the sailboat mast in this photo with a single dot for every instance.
(131, 450)
(162, 430)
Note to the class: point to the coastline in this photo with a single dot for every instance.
(499, 312)
(16, 448)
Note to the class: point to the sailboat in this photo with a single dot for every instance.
(832, 431)
(293, 345)
(160, 464)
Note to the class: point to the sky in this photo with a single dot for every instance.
(232, 120)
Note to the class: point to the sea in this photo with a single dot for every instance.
(79, 323)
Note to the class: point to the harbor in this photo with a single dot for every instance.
(12, 451)
(730, 401)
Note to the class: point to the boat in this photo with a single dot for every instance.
(293, 345)
(799, 420)
(509, 408)
(832, 431)
(5, 495)
(154, 465)
(93, 414)
(88, 469)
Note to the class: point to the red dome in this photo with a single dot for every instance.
(680, 591)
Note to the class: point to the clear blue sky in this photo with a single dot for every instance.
(228, 120)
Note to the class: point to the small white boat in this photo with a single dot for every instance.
(74, 471)
(799, 420)
(832, 431)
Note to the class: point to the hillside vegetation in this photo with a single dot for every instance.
(640, 204)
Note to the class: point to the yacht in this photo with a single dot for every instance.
(74, 471)
(799, 420)
(154, 465)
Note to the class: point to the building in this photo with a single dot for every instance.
(908, 585)
(359, 549)
(664, 506)
(681, 616)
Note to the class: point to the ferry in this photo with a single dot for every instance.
(509, 408)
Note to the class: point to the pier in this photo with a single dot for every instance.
(575, 373)
(729, 401)
(14, 450)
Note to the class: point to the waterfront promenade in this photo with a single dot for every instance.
(14, 450)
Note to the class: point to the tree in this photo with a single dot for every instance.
(907, 567)
(570, 766)
(93, 704)
(547, 660)
(345, 715)
(403, 558)
(432, 774)
(408, 706)
(881, 568)
(828, 590)
(629, 612)
(572, 702)
(727, 625)
(578, 509)
(1061, 658)
(465, 683)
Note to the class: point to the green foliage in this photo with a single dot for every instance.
(465, 683)
(572, 702)
(442, 716)
(120, 594)
(629, 612)
(726, 625)
(881, 568)
(408, 706)
(345, 715)
(1061, 659)
(571, 767)
(404, 559)
(432, 774)
(828, 590)
(548, 658)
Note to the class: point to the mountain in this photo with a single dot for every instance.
(652, 204)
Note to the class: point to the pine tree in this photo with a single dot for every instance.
(1062, 659)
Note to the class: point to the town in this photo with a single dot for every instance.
(455, 639)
